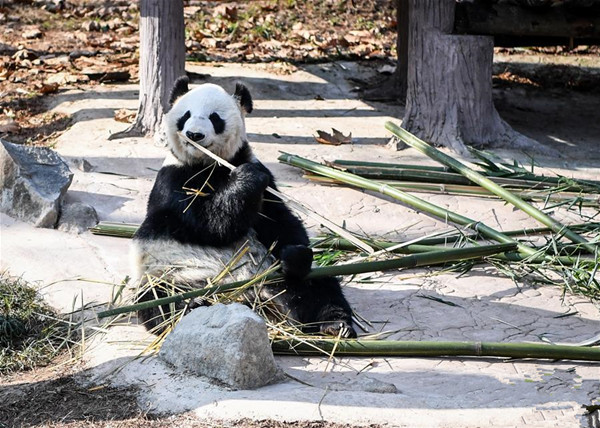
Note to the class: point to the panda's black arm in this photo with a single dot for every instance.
(277, 224)
(232, 210)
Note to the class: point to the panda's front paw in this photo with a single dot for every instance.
(252, 173)
(296, 261)
(338, 328)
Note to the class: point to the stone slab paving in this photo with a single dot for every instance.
(430, 391)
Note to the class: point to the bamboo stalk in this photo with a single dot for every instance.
(389, 348)
(386, 173)
(416, 260)
(127, 230)
(346, 163)
(463, 190)
(121, 230)
(518, 177)
(344, 245)
(404, 197)
(486, 183)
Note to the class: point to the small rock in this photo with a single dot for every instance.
(33, 182)
(77, 218)
(224, 342)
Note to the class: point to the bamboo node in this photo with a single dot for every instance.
(478, 349)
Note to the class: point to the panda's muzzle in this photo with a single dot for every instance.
(195, 136)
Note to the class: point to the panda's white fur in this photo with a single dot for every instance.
(188, 264)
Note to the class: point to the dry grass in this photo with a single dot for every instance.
(31, 332)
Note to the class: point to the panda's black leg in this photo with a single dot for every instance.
(321, 305)
(296, 261)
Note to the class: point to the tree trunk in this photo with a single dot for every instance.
(449, 94)
(162, 61)
(401, 74)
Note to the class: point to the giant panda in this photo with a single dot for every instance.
(201, 215)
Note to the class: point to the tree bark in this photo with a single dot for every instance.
(449, 93)
(162, 61)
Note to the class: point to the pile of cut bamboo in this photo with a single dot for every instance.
(509, 182)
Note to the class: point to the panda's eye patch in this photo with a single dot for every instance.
(218, 123)
(181, 121)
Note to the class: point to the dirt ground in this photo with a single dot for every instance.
(48, 47)
(46, 51)
(53, 397)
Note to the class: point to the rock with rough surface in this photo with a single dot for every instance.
(228, 343)
(33, 182)
(77, 217)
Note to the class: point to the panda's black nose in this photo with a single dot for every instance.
(195, 136)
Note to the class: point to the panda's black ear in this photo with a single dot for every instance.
(243, 96)
(179, 88)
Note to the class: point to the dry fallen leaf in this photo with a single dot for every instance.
(48, 88)
(124, 115)
(336, 139)
(4, 73)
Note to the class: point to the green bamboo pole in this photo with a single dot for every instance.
(390, 348)
(441, 177)
(522, 177)
(345, 245)
(486, 183)
(404, 197)
(127, 230)
(470, 190)
(415, 260)
(121, 230)
(346, 163)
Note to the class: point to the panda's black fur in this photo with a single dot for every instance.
(187, 239)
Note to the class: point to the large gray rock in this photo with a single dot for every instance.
(228, 343)
(77, 217)
(33, 182)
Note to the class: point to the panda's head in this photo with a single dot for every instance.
(209, 116)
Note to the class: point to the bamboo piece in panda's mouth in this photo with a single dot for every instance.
(291, 202)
